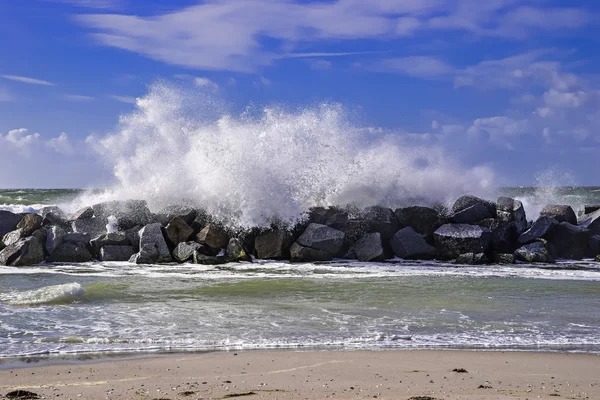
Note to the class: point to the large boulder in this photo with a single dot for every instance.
(93, 226)
(129, 213)
(411, 245)
(571, 241)
(185, 251)
(13, 237)
(535, 252)
(77, 237)
(322, 237)
(370, 248)
(511, 210)
(471, 215)
(467, 201)
(273, 244)
(452, 240)
(54, 238)
(116, 253)
(540, 228)
(186, 213)
(83, 213)
(213, 236)
(30, 223)
(70, 252)
(591, 221)
(332, 216)
(178, 231)
(299, 253)
(235, 251)
(381, 220)
(153, 246)
(133, 234)
(8, 221)
(472, 259)
(423, 220)
(109, 239)
(28, 251)
(561, 213)
(504, 235)
(200, 258)
(588, 209)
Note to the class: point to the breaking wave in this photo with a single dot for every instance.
(46, 295)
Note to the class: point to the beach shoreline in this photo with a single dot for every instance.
(312, 374)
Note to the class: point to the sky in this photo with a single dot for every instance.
(510, 84)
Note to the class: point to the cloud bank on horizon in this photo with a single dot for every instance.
(509, 84)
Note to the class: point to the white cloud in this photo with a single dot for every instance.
(417, 66)
(407, 26)
(5, 95)
(123, 99)
(231, 81)
(61, 144)
(99, 4)
(555, 98)
(78, 98)
(25, 79)
(320, 64)
(203, 82)
(262, 81)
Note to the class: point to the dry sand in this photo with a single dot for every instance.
(419, 374)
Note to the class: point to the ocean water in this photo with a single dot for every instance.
(104, 308)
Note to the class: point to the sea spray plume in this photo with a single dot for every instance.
(269, 164)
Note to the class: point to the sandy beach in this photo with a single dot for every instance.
(419, 374)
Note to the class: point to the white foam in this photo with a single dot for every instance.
(22, 208)
(269, 163)
(47, 294)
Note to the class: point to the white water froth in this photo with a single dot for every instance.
(180, 146)
(44, 295)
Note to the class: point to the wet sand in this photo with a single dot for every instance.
(418, 374)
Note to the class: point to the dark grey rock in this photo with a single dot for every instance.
(54, 238)
(452, 240)
(322, 237)
(40, 234)
(83, 213)
(8, 221)
(185, 251)
(571, 241)
(300, 253)
(213, 236)
(133, 234)
(540, 228)
(382, 220)
(129, 213)
(109, 239)
(28, 251)
(369, 248)
(55, 210)
(30, 223)
(535, 252)
(591, 221)
(273, 244)
(186, 213)
(471, 215)
(93, 226)
(153, 246)
(501, 258)
(235, 251)
(70, 252)
(77, 238)
(504, 235)
(561, 213)
(203, 259)
(423, 220)
(594, 246)
(467, 201)
(410, 245)
(588, 209)
(116, 253)
(472, 259)
(511, 210)
(178, 231)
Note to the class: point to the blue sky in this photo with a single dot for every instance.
(509, 84)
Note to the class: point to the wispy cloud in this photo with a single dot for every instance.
(205, 83)
(123, 99)
(78, 98)
(5, 95)
(416, 66)
(25, 79)
(98, 4)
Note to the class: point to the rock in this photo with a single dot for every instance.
(129, 213)
(13, 237)
(322, 237)
(511, 210)
(423, 220)
(133, 234)
(467, 201)
(2, 245)
(452, 240)
(354, 230)
(55, 210)
(153, 246)
(40, 234)
(93, 226)
(382, 220)
(185, 251)
(273, 245)
(588, 209)
(369, 248)
(410, 245)
(77, 238)
(71, 252)
(56, 219)
(54, 238)
(594, 246)
(534, 252)
(235, 251)
(203, 259)
(591, 221)
(300, 253)
(598, 258)
(30, 223)
(501, 258)
(8, 221)
(472, 259)
(540, 228)
(213, 236)
(504, 235)
(109, 239)
(332, 216)
(83, 213)
(471, 215)
(116, 253)
(178, 231)
(561, 213)
(571, 241)
(188, 214)
(28, 251)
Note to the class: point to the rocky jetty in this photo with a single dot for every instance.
(473, 231)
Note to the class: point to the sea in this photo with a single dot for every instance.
(100, 309)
